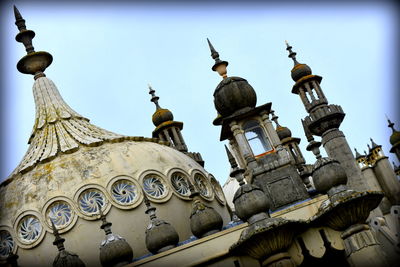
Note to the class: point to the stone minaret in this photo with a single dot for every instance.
(324, 120)
(169, 130)
(253, 139)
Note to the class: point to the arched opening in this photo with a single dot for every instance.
(255, 135)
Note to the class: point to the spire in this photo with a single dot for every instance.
(34, 62)
(373, 143)
(292, 54)
(231, 159)
(59, 241)
(154, 98)
(275, 118)
(357, 154)
(106, 226)
(151, 211)
(236, 172)
(219, 66)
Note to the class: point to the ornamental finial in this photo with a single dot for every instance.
(106, 226)
(292, 54)
(59, 241)
(34, 62)
(219, 66)
(154, 98)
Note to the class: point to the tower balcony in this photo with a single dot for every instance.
(324, 118)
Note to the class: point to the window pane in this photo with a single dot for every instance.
(256, 138)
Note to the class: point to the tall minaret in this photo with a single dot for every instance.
(169, 130)
(324, 120)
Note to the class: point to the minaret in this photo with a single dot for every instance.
(169, 130)
(384, 173)
(324, 120)
(253, 139)
(394, 140)
(58, 128)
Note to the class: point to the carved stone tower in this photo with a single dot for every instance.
(253, 139)
(324, 120)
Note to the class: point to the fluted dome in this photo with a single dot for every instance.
(283, 132)
(162, 115)
(299, 71)
(328, 173)
(233, 94)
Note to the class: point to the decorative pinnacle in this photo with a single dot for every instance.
(357, 154)
(314, 147)
(219, 66)
(275, 118)
(154, 98)
(373, 143)
(391, 124)
(24, 36)
(231, 159)
(292, 54)
(106, 226)
(307, 132)
(151, 211)
(59, 241)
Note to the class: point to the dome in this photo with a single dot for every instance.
(283, 132)
(299, 71)
(162, 115)
(395, 138)
(114, 175)
(233, 94)
(115, 251)
(328, 173)
(250, 200)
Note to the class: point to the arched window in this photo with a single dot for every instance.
(256, 138)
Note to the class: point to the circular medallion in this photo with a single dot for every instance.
(29, 229)
(60, 213)
(219, 193)
(180, 184)
(124, 192)
(203, 185)
(90, 200)
(6, 243)
(154, 187)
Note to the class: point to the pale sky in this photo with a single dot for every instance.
(106, 54)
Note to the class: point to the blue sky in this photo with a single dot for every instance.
(106, 54)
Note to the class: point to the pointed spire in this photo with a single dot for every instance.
(59, 241)
(154, 98)
(369, 148)
(231, 159)
(219, 66)
(151, 211)
(35, 62)
(357, 154)
(292, 54)
(373, 143)
(106, 226)
(275, 118)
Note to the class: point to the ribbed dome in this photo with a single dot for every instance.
(162, 115)
(233, 94)
(283, 132)
(299, 71)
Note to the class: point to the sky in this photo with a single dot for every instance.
(105, 55)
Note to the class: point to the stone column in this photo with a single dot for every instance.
(241, 141)
(275, 141)
(387, 180)
(336, 147)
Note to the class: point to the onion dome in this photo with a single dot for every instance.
(232, 93)
(160, 235)
(299, 70)
(204, 220)
(161, 115)
(114, 250)
(282, 131)
(251, 203)
(395, 137)
(327, 174)
(64, 258)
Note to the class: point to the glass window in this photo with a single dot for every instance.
(256, 138)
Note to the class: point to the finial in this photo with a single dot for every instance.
(106, 226)
(151, 211)
(307, 132)
(292, 54)
(365, 152)
(219, 66)
(34, 62)
(314, 147)
(357, 154)
(390, 124)
(231, 159)
(193, 190)
(59, 241)
(275, 118)
(154, 98)
(373, 143)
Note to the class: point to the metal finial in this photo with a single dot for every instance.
(390, 124)
(35, 62)
(231, 159)
(275, 118)
(151, 211)
(218, 62)
(58, 241)
(292, 54)
(106, 226)
(307, 132)
(154, 98)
